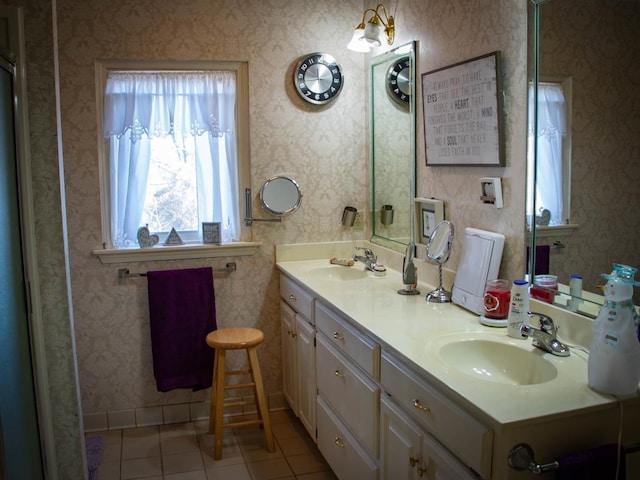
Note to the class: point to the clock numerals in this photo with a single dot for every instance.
(318, 78)
(398, 84)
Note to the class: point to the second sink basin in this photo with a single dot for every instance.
(498, 362)
(337, 273)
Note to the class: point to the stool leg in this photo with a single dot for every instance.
(212, 403)
(260, 398)
(219, 402)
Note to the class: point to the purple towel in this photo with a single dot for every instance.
(599, 463)
(542, 259)
(182, 312)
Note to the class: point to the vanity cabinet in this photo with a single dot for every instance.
(347, 372)
(408, 452)
(435, 417)
(298, 351)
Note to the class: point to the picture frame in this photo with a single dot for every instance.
(211, 233)
(429, 213)
(462, 107)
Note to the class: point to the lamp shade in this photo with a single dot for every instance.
(372, 33)
(357, 43)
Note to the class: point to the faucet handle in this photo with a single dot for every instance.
(545, 322)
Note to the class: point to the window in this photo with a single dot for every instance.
(174, 150)
(552, 183)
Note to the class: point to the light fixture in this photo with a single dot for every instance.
(371, 32)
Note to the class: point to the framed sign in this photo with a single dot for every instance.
(429, 213)
(462, 107)
(211, 232)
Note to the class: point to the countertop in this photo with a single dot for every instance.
(416, 329)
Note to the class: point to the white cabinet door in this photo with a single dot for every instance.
(306, 374)
(289, 363)
(399, 444)
(407, 452)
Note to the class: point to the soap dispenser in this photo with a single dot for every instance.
(614, 358)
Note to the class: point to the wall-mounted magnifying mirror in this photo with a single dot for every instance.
(279, 195)
(392, 145)
(439, 251)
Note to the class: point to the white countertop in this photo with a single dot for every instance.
(415, 329)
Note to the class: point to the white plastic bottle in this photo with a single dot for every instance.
(575, 289)
(519, 308)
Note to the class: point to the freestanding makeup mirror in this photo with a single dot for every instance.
(439, 251)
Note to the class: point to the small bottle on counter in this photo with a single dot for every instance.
(519, 308)
(575, 289)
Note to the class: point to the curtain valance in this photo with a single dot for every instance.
(161, 103)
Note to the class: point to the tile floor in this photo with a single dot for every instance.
(184, 451)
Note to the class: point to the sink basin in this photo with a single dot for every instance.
(497, 362)
(337, 273)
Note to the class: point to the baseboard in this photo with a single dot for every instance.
(167, 414)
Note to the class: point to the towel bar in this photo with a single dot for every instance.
(124, 272)
(521, 458)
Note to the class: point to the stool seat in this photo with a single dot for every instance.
(236, 338)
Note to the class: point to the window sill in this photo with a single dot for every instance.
(178, 252)
(556, 230)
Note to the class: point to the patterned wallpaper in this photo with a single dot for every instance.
(596, 43)
(324, 149)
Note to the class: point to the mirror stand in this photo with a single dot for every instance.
(438, 251)
(248, 218)
(440, 294)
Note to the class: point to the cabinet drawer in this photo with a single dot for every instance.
(364, 351)
(352, 394)
(467, 438)
(347, 458)
(297, 297)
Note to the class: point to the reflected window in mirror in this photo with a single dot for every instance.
(553, 175)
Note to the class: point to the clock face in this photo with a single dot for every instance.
(398, 81)
(318, 78)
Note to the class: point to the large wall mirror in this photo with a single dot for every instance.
(393, 152)
(584, 183)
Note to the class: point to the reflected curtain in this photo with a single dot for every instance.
(551, 130)
(141, 106)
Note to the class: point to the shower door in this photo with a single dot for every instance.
(20, 453)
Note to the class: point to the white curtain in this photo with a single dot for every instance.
(551, 130)
(142, 105)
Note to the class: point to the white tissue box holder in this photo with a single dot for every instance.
(480, 263)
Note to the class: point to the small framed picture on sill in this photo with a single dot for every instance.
(211, 233)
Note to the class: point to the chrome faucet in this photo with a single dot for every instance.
(369, 259)
(544, 337)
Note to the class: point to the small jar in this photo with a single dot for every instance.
(497, 295)
(544, 288)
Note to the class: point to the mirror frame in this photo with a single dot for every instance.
(409, 49)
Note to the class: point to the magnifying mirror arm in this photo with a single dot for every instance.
(248, 219)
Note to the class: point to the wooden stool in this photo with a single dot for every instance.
(237, 338)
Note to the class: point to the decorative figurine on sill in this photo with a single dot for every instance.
(614, 359)
(145, 239)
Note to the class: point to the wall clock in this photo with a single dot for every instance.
(318, 78)
(398, 81)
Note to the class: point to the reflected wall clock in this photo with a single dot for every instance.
(398, 81)
(318, 78)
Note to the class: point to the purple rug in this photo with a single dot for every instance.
(94, 446)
